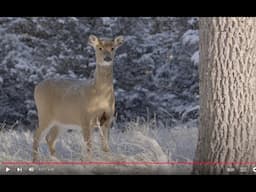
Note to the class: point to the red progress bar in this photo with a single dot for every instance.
(126, 163)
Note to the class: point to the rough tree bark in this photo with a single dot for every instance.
(227, 125)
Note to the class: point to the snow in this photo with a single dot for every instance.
(108, 20)
(190, 37)
(74, 19)
(195, 58)
(61, 21)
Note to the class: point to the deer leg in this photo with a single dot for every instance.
(87, 133)
(105, 127)
(51, 140)
(37, 137)
(105, 139)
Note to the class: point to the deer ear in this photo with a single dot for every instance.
(93, 40)
(119, 41)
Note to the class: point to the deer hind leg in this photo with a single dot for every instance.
(105, 124)
(51, 140)
(87, 133)
(37, 137)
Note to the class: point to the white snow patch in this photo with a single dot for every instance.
(61, 21)
(108, 21)
(190, 37)
(74, 19)
(195, 58)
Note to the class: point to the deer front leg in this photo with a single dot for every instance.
(51, 140)
(36, 141)
(87, 133)
(105, 128)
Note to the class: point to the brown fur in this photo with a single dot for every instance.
(80, 103)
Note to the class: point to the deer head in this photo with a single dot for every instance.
(105, 49)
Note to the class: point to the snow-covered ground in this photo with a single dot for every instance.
(141, 142)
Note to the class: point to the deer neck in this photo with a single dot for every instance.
(104, 76)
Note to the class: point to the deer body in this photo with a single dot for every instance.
(78, 104)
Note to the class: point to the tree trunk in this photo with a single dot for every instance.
(227, 124)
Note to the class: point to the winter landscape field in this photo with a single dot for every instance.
(140, 142)
(155, 80)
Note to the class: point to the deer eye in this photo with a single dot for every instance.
(100, 48)
(112, 49)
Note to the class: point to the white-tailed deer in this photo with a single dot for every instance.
(79, 104)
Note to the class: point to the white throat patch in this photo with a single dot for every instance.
(105, 63)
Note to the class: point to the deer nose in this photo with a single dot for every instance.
(107, 59)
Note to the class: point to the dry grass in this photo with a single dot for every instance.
(141, 142)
